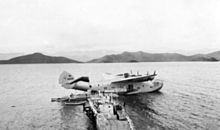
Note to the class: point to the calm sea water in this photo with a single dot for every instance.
(190, 98)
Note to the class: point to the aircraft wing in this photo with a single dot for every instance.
(135, 79)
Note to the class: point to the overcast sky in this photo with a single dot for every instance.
(132, 25)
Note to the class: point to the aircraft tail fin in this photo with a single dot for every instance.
(69, 82)
(65, 79)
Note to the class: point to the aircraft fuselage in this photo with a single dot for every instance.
(129, 88)
(127, 85)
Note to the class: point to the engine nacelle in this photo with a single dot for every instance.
(83, 86)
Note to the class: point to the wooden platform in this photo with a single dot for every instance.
(105, 117)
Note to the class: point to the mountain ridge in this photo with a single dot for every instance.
(141, 56)
(36, 58)
(215, 54)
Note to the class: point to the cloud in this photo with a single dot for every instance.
(55, 25)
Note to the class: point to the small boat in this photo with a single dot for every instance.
(62, 99)
(74, 99)
(69, 103)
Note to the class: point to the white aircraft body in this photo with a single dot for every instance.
(121, 84)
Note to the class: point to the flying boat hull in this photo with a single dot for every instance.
(127, 85)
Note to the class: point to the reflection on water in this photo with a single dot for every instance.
(142, 110)
(73, 118)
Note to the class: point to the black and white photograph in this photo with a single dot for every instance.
(109, 65)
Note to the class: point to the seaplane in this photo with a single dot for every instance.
(120, 84)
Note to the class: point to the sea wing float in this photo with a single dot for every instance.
(121, 84)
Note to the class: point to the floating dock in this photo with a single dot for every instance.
(107, 114)
(102, 110)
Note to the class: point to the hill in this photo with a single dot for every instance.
(150, 57)
(215, 55)
(37, 58)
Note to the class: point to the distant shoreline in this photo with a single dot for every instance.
(87, 63)
(125, 57)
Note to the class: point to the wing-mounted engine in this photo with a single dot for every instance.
(69, 82)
